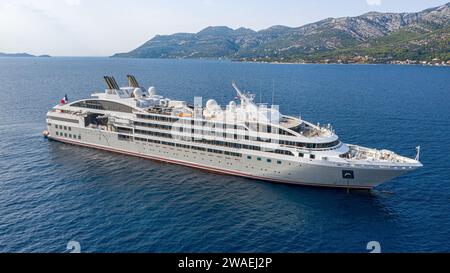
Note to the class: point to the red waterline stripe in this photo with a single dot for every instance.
(216, 170)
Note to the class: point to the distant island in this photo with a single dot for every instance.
(19, 55)
(398, 38)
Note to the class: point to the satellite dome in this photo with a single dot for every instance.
(138, 93)
(212, 106)
(152, 91)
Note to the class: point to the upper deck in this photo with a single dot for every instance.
(133, 100)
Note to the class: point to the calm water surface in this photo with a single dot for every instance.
(51, 193)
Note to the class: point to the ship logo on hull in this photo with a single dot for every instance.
(348, 174)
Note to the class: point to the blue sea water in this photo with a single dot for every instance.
(51, 193)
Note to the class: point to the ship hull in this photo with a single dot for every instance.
(307, 173)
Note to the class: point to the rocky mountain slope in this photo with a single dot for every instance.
(371, 37)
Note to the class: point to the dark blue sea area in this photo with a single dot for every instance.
(52, 193)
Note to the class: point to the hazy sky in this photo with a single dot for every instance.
(104, 27)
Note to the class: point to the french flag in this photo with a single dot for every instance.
(64, 100)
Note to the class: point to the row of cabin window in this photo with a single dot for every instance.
(257, 126)
(242, 146)
(151, 133)
(63, 127)
(61, 134)
(151, 125)
(193, 122)
(200, 149)
(158, 118)
(165, 127)
(311, 156)
(246, 137)
(268, 160)
(188, 147)
(214, 142)
(125, 138)
(268, 129)
(124, 130)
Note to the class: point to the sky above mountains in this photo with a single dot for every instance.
(104, 27)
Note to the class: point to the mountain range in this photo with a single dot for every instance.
(373, 37)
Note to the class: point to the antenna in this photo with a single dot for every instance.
(237, 89)
(273, 91)
(245, 97)
(260, 92)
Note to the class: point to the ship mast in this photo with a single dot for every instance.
(245, 98)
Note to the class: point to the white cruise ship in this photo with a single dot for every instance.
(242, 139)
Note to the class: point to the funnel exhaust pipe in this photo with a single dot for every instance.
(132, 82)
(114, 83)
(108, 82)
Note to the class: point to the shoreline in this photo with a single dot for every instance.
(334, 63)
(233, 61)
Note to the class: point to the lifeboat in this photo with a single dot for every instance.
(184, 115)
